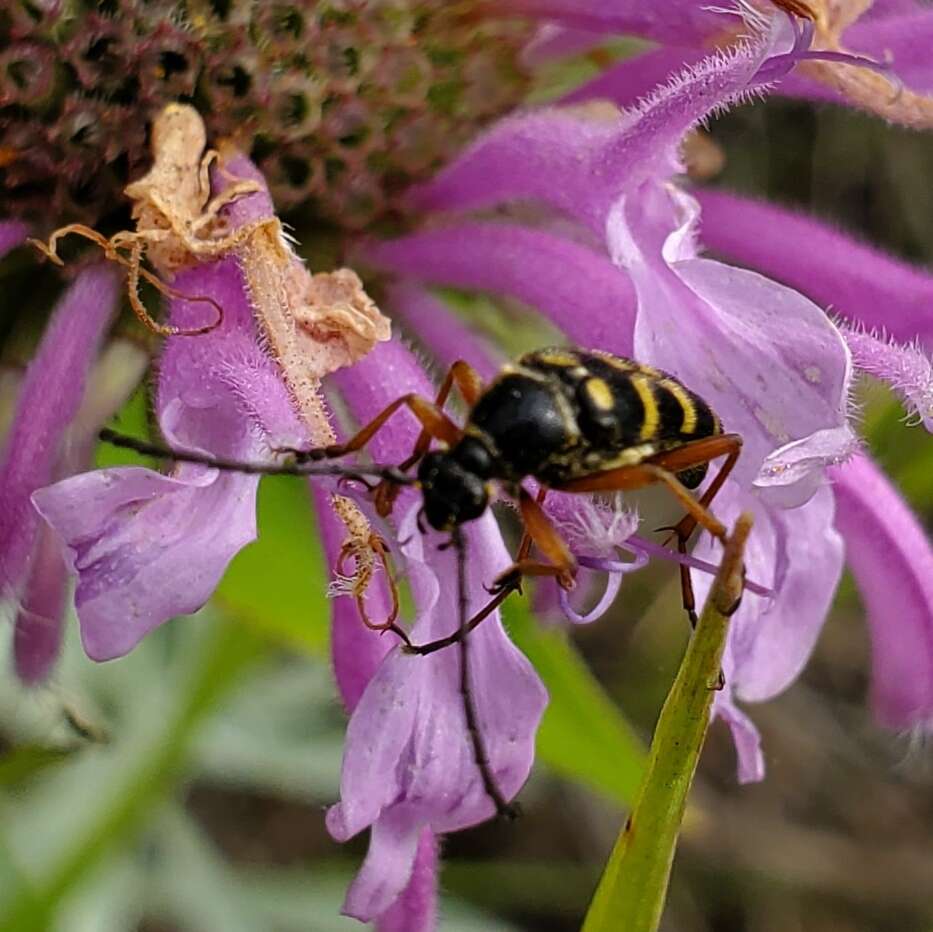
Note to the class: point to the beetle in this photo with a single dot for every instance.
(574, 420)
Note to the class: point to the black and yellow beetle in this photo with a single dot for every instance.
(575, 421)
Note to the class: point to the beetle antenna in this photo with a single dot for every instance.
(504, 809)
(146, 448)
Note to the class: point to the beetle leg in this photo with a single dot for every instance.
(538, 530)
(468, 381)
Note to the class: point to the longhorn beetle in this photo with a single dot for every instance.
(575, 421)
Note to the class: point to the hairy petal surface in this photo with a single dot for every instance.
(907, 369)
(857, 282)
(892, 562)
(48, 401)
(537, 267)
(581, 165)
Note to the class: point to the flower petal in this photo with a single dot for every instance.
(12, 234)
(632, 79)
(146, 547)
(673, 21)
(409, 761)
(388, 867)
(582, 166)
(418, 698)
(790, 475)
(416, 909)
(858, 282)
(536, 267)
(437, 327)
(745, 737)
(907, 369)
(356, 650)
(38, 628)
(892, 562)
(48, 401)
(766, 359)
(800, 555)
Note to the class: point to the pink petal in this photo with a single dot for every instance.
(580, 165)
(765, 358)
(892, 562)
(409, 764)
(632, 79)
(356, 651)
(906, 368)
(437, 327)
(48, 401)
(416, 909)
(536, 267)
(38, 628)
(681, 21)
(146, 547)
(856, 281)
(388, 868)
(12, 234)
(799, 555)
(745, 737)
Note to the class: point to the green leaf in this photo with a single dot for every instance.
(22, 763)
(633, 887)
(583, 735)
(278, 584)
(136, 781)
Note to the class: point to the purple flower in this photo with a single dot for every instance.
(146, 546)
(607, 245)
(409, 764)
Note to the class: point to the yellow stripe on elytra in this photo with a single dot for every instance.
(599, 393)
(689, 424)
(557, 358)
(649, 426)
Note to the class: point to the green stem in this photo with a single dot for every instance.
(633, 888)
